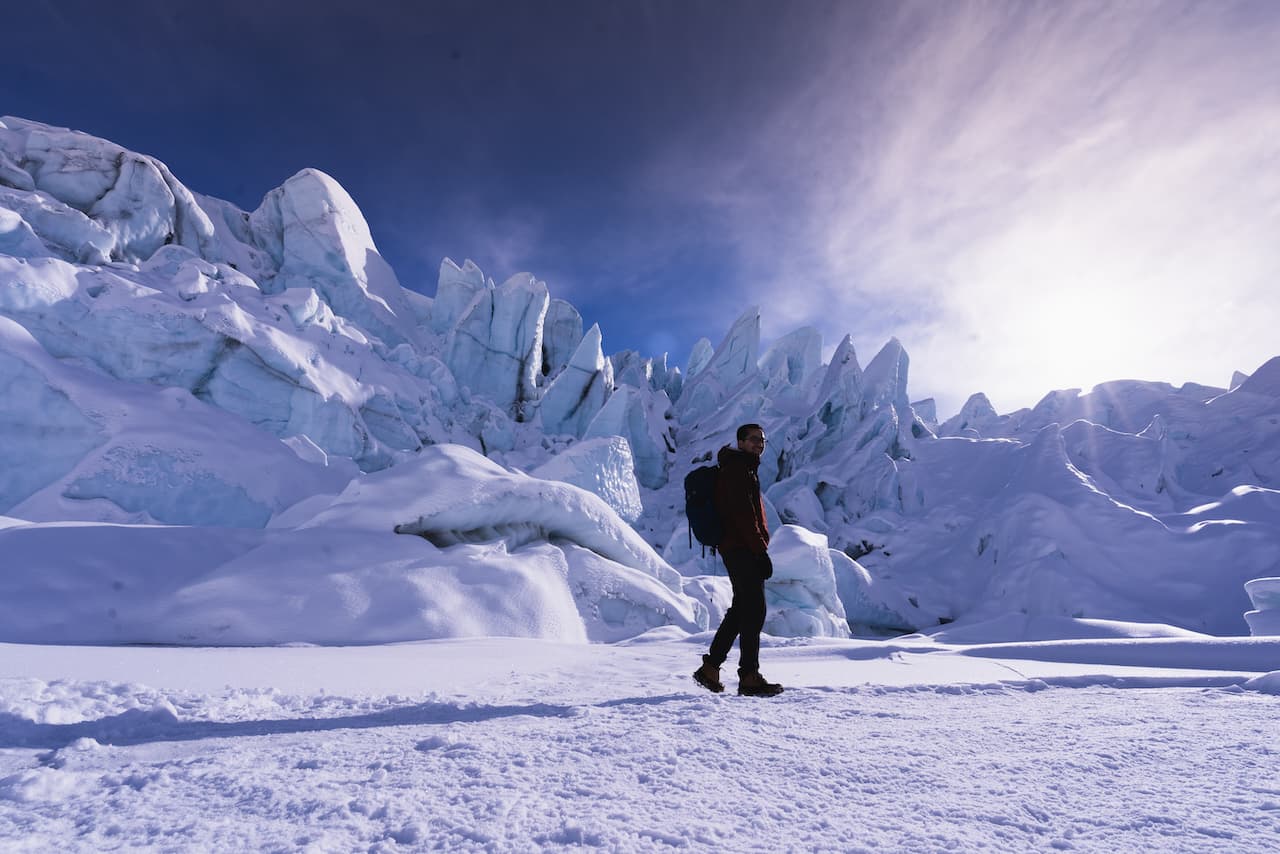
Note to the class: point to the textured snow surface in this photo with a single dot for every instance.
(603, 466)
(503, 745)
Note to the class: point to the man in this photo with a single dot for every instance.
(745, 551)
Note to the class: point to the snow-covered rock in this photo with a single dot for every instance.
(378, 589)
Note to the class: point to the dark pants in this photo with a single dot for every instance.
(745, 616)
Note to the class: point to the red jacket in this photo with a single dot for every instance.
(739, 502)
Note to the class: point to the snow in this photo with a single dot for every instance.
(503, 745)
(401, 556)
(731, 365)
(641, 419)
(122, 452)
(790, 366)
(168, 359)
(802, 599)
(499, 339)
(580, 390)
(561, 335)
(1265, 381)
(700, 356)
(1264, 593)
(318, 238)
(603, 466)
(496, 553)
(456, 288)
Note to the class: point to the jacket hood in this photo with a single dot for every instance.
(731, 456)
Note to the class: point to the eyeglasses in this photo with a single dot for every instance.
(756, 440)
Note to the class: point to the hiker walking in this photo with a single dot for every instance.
(744, 547)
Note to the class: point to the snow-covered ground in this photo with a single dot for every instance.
(516, 745)
(221, 428)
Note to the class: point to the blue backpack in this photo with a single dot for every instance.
(700, 507)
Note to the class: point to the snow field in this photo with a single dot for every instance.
(846, 770)
(554, 746)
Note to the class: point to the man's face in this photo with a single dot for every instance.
(753, 444)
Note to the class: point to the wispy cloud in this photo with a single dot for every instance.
(1029, 195)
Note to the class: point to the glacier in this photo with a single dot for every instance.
(236, 427)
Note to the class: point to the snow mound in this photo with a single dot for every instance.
(1264, 593)
(802, 596)
(500, 554)
(1268, 683)
(603, 466)
(342, 586)
(449, 494)
(1024, 627)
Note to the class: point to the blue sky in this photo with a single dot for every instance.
(1028, 195)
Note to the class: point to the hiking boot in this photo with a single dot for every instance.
(755, 685)
(708, 676)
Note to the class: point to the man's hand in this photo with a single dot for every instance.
(766, 566)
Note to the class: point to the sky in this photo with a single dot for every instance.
(1028, 195)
